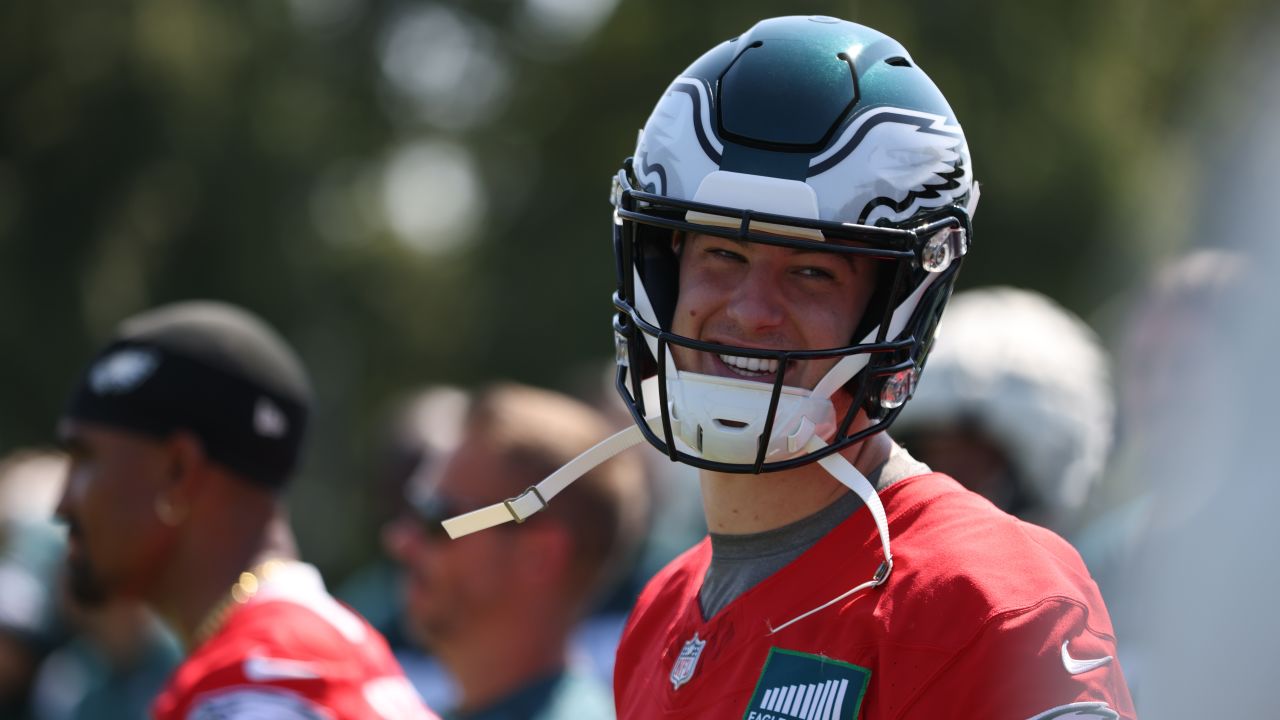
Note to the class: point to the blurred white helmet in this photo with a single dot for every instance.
(1031, 377)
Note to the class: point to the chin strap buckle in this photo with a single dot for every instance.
(535, 497)
(882, 572)
(521, 506)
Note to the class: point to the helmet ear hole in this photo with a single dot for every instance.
(659, 269)
(873, 316)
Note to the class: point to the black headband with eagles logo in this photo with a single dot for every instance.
(211, 369)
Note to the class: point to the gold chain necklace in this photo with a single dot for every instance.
(248, 585)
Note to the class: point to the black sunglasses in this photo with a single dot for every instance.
(431, 512)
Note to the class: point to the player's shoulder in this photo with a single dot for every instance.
(284, 659)
(391, 698)
(320, 624)
(266, 642)
(292, 632)
(248, 702)
(951, 543)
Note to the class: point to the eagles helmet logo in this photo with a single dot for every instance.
(889, 164)
(123, 371)
(895, 163)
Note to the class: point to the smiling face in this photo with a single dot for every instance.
(769, 297)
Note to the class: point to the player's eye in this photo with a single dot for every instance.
(815, 272)
(725, 254)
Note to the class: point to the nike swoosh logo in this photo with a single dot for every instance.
(265, 669)
(1075, 667)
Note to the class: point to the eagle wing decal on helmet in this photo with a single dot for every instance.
(678, 146)
(896, 162)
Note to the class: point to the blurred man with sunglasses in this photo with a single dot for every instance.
(498, 608)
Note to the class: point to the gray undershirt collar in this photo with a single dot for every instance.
(740, 562)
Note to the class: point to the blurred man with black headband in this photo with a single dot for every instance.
(183, 433)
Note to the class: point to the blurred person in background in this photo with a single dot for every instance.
(423, 426)
(1165, 364)
(1169, 318)
(113, 666)
(31, 546)
(1165, 320)
(498, 609)
(1203, 580)
(1016, 405)
(109, 662)
(183, 433)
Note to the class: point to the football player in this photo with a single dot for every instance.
(183, 433)
(787, 235)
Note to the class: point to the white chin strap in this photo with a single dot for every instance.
(535, 498)
(849, 476)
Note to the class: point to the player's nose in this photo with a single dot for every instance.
(757, 302)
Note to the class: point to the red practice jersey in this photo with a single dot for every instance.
(984, 616)
(292, 652)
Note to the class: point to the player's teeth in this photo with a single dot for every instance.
(758, 365)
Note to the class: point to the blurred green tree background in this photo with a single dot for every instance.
(415, 192)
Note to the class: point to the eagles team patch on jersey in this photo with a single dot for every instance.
(800, 686)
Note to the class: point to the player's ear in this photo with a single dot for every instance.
(180, 484)
(186, 456)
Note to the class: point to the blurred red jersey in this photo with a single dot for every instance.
(291, 652)
(983, 616)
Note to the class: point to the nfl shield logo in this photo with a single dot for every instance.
(687, 662)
